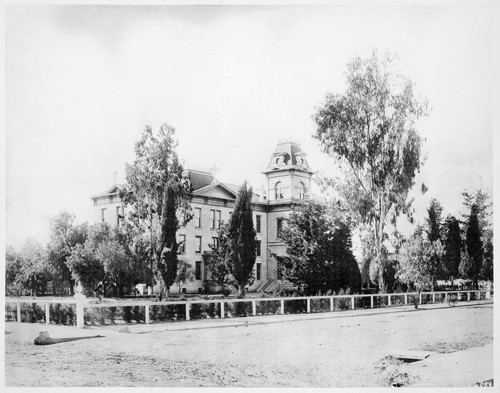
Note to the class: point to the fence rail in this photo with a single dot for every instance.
(221, 307)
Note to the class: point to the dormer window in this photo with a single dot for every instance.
(278, 190)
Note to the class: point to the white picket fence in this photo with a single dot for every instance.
(82, 304)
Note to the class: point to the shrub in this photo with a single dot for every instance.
(32, 313)
(237, 309)
(10, 312)
(204, 310)
(298, 306)
(163, 313)
(62, 314)
(266, 307)
(100, 315)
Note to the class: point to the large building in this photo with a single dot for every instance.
(288, 180)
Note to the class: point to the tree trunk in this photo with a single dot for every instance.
(72, 284)
(241, 290)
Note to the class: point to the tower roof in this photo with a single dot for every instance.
(288, 155)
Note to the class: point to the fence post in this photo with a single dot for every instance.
(47, 313)
(146, 314)
(433, 297)
(371, 301)
(389, 301)
(352, 302)
(406, 299)
(80, 322)
(331, 304)
(282, 306)
(19, 312)
(222, 310)
(445, 297)
(420, 298)
(188, 306)
(468, 296)
(254, 308)
(308, 305)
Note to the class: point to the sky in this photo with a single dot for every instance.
(83, 81)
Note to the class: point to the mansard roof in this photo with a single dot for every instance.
(288, 155)
(199, 178)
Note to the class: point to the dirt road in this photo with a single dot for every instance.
(340, 350)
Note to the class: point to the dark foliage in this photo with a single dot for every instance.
(242, 243)
(472, 263)
(452, 247)
(318, 252)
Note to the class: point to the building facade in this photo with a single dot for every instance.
(288, 180)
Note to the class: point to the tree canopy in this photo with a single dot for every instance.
(371, 132)
(27, 270)
(217, 265)
(318, 252)
(65, 236)
(472, 260)
(415, 260)
(156, 193)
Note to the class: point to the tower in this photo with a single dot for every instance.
(288, 174)
(288, 179)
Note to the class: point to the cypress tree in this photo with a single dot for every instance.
(242, 241)
(452, 247)
(473, 247)
(167, 265)
(434, 234)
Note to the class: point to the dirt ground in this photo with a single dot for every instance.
(326, 350)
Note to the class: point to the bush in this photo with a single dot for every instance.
(63, 314)
(320, 305)
(32, 313)
(204, 310)
(238, 309)
(100, 315)
(10, 313)
(133, 314)
(341, 304)
(298, 306)
(266, 307)
(161, 313)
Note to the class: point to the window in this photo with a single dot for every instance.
(259, 243)
(218, 214)
(119, 214)
(215, 242)
(103, 215)
(257, 271)
(197, 217)
(302, 190)
(197, 270)
(212, 219)
(182, 244)
(279, 226)
(197, 244)
(257, 223)
(278, 190)
(215, 218)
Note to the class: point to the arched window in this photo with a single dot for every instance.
(278, 191)
(302, 190)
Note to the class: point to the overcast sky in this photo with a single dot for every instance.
(82, 81)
